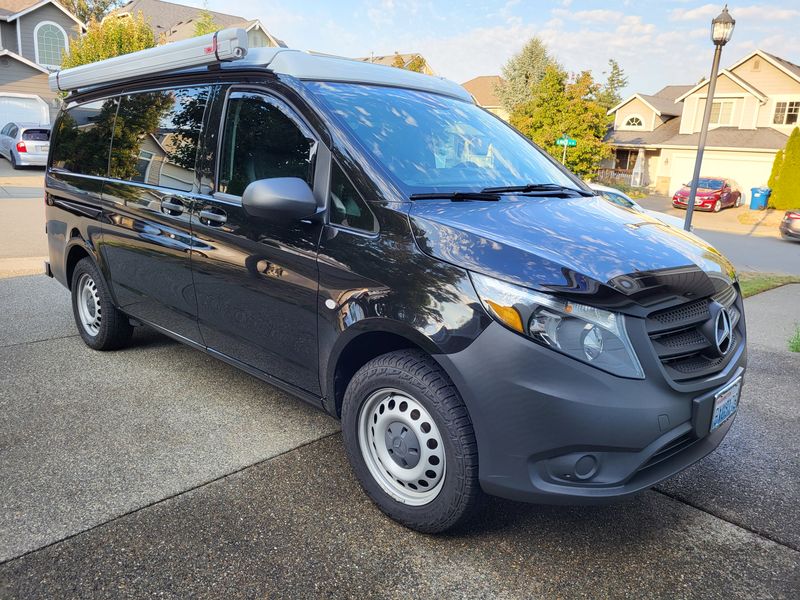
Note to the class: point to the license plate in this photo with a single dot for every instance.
(725, 403)
(42, 148)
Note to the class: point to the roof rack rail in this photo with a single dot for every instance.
(221, 46)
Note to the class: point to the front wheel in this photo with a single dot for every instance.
(718, 206)
(410, 441)
(100, 324)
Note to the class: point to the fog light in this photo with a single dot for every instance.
(592, 342)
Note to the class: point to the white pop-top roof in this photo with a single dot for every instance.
(228, 49)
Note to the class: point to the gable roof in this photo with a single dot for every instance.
(11, 10)
(791, 69)
(482, 88)
(668, 135)
(733, 77)
(177, 21)
(659, 105)
(673, 91)
(23, 60)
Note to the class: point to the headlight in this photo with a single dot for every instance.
(591, 335)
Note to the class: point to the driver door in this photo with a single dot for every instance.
(256, 280)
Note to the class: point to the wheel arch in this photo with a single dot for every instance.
(358, 346)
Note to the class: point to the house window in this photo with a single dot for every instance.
(50, 42)
(786, 113)
(143, 166)
(722, 113)
(634, 121)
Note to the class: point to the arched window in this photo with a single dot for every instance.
(634, 121)
(50, 40)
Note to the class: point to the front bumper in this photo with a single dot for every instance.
(553, 430)
(705, 205)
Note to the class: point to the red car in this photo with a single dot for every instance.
(713, 194)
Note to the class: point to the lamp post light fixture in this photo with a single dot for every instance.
(721, 31)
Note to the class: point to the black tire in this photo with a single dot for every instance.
(418, 376)
(717, 206)
(13, 161)
(113, 329)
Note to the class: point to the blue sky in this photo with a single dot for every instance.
(656, 42)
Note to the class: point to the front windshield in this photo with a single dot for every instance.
(710, 184)
(434, 143)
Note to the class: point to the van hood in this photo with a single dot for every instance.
(576, 247)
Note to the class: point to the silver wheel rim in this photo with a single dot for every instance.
(391, 425)
(88, 301)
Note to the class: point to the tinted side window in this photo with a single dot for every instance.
(261, 141)
(156, 137)
(83, 136)
(348, 208)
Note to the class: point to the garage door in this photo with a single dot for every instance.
(23, 108)
(749, 170)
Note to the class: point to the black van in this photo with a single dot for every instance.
(372, 241)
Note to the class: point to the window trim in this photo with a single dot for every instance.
(721, 102)
(320, 148)
(36, 42)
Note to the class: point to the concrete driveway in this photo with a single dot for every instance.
(159, 471)
(23, 244)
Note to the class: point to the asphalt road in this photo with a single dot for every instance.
(156, 470)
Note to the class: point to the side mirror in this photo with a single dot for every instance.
(280, 198)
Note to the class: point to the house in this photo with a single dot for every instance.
(394, 60)
(172, 22)
(482, 89)
(755, 108)
(33, 35)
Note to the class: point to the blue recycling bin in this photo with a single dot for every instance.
(759, 197)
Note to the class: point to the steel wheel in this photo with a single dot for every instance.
(402, 447)
(89, 309)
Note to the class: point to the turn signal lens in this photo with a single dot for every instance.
(507, 314)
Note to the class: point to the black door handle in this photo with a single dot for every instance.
(172, 206)
(212, 216)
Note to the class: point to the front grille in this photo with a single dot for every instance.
(679, 341)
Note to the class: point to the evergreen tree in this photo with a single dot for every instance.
(776, 169)
(109, 38)
(609, 95)
(522, 73)
(786, 194)
(566, 105)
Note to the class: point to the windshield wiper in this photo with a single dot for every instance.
(457, 196)
(536, 188)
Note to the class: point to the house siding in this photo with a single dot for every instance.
(19, 78)
(634, 107)
(29, 22)
(8, 36)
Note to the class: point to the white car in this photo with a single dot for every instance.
(616, 197)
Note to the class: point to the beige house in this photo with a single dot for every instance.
(482, 89)
(33, 36)
(172, 22)
(756, 106)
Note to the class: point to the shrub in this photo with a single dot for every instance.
(786, 193)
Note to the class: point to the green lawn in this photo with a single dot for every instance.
(794, 341)
(755, 283)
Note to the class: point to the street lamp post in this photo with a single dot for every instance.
(721, 30)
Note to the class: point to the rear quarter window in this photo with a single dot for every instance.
(82, 137)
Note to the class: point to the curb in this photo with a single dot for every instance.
(17, 267)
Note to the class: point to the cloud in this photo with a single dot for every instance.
(707, 11)
(598, 15)
(755, 12)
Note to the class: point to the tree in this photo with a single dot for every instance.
(522, 73)
(416, 64)
(566, 105)
(776, 169)
(86, 10)
(786, 193)
(609, 95)
(109, 38)
(205, 23)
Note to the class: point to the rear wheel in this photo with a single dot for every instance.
(410, 441)
(738, 202)
(13, 161)
(100, 324)
(717, 206)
